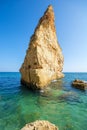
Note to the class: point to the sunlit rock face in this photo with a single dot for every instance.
(44, 60)
(40, 125)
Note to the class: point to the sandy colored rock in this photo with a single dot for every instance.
(40, 125)
(44, 60)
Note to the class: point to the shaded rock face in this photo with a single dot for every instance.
(79, 84)
(44, 60)
(40, 125)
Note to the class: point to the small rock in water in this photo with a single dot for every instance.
(40, 125)
(79, 84)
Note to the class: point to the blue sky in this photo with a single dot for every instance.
(19, 18)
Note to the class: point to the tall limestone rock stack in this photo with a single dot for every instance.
(44, 60)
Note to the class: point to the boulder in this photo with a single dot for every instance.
(80, 84)
(44, 60)
(40, 125)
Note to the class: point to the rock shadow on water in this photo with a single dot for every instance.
(70, 97)
(54, 85)
(55, 91)
(55, 88)
(57, 84)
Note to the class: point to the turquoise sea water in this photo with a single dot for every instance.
(61, 104)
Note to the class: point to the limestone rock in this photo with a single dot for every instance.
(40, 125)
(79, 84)
(44, 60)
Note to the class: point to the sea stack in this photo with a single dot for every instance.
(44, 59)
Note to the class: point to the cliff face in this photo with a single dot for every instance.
(44, 60)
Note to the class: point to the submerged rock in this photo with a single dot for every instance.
(80, 84)
(44, 60)
(40, 125)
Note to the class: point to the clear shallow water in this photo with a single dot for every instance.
(61, 104)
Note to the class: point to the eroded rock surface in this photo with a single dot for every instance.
(44, 60)
(40, 125)
(79, 84)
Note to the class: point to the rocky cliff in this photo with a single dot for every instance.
(44, 60)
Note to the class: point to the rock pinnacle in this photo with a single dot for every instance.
(44, 60)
